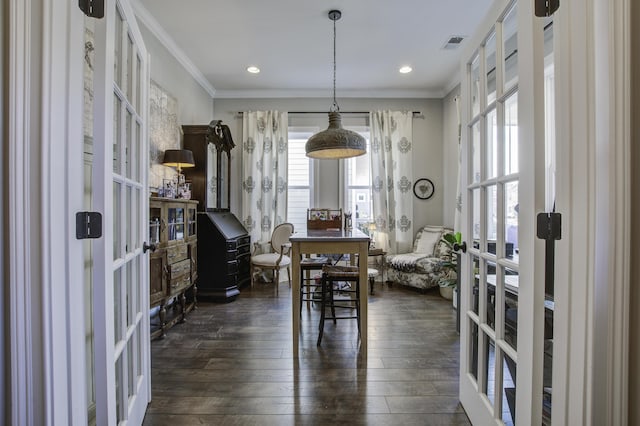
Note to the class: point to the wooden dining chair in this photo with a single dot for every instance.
(279, 258)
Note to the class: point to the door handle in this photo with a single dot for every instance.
(146, 247)
(460, 247)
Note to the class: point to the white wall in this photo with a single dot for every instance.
(195, 105)
(427, 140)
(450, 156)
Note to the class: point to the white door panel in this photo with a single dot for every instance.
(502, 309)
(121, 268)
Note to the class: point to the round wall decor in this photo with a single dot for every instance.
(423, 188)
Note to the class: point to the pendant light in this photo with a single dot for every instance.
(335, 142)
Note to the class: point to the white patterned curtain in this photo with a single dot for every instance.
(392, 179)
(264, 181)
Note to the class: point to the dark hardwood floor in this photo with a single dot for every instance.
(231, 364)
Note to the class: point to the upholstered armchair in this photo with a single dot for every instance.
(422, 268)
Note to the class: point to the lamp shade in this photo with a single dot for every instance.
(180, 158)
(335, 142)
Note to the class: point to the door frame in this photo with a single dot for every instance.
(593, 85)
(44, 309)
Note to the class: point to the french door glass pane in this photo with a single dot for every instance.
(491, 153)
(511, 208)
(117, 237)
(475, 268)
(476, 153)
(511, 135)
(117, 306)
(490, 67)
(510, 297)
(473, 344)
(129, 69)
(492, 218)
(120, 406)
(137, 152)
(136, 242)
(117, 45)
(510, 48)
(138, 91)
(128, 204)
(475, 208)
(509, 387)
(132, 377)
(475, 86)
(128, 144)
(117, 133)
(129, 296)
(491, 296)
(489, 385)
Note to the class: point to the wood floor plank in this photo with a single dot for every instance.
(231, 364)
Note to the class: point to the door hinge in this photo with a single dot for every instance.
(546, 7)
(92, 8)
(88, 225)
(549, 226)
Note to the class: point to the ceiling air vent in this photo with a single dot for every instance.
(453, 42)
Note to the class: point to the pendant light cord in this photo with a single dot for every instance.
(334, 107)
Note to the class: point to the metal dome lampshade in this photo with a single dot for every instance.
(335, 142)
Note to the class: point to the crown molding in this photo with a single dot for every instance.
(323, 93)
(165, 39)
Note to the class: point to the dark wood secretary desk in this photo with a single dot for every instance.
(224, 246)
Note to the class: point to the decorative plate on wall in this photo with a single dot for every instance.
(423, 188)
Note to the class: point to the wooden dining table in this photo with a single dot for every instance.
(306, 242)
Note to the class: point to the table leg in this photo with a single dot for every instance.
(295, 296)
(364, 294)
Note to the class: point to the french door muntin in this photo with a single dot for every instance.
(121, 269)
(502, 171)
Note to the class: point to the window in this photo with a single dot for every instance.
(300, 182)
(357, 184)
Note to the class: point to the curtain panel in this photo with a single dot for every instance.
(264, 164)
(392, 179)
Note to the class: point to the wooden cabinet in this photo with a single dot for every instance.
(173, 265)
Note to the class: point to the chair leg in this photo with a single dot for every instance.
(276, 277)
(251, 272)
(289, 275)
(371, 284)
(358, 305)
(333, 306)
(322, 308)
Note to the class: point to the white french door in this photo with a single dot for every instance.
(121, 289)
(503, 180)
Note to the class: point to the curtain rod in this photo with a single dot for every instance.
(419, 113)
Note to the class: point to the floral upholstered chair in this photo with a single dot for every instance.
(422, 268)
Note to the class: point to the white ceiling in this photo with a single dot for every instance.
(291, 41)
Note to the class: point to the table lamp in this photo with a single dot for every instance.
(372, 233)
(179, 158)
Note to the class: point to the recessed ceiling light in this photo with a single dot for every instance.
(406, 69)
(253, 70)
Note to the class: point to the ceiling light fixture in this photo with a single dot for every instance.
(405, 69)
(253, 69)
(335, 142)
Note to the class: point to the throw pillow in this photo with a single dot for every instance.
(429, 237)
